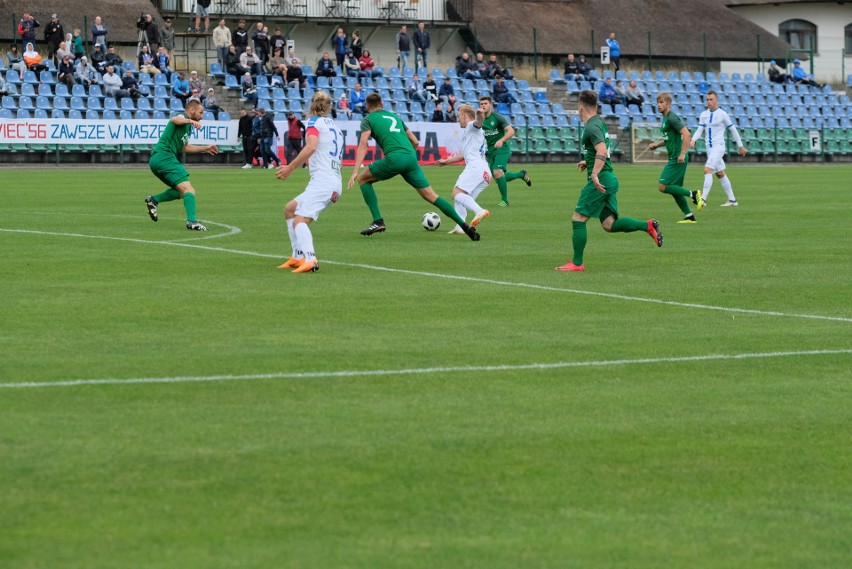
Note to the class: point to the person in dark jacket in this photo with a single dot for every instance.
(325, 66)
(422, 43)
(339, 43)
(54, 34)
(244, 132)
(268, 136)
(240, 37)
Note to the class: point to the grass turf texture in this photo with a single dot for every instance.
(689, 464)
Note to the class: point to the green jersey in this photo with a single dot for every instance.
(494, 127)
(388, 130)
(671, 127)
(595, 133)
(174, 138)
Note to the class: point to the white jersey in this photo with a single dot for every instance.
(325, 162)
(473, 146)
(716, 123)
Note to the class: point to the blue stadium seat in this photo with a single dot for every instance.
(109, 115)
(43, 102)
(95, 91)
(556, 77)
(30, 77)
(26, 103)
(13, 77)
(127, 104)
(408, 72)
(57, 114)
(145, 79)
(216, 70)
(209, 116)
(75, 114)
(28, 90)
(60, 103)
(23, 114)
(46, 77)
(177, 105)
(8, 102)
(262, 81)
(394, 72)
(92, 115)
(141, 115)
(94, 104)
(224, 116)
(62, 90)
(541, 97)
(111, 104)
(143, 104)
(422, 73)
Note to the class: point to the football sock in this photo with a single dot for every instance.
(504, 188)
(306, 241)
(448, 210)
(294, 241)
(578, 238)
(513, 176)
(677, 191)
(682, 204)
(460, 209)
(189, 205)
(371, 200)
(167, 196)
(708, 184)
(726, 185)
(469, 203)
(627, 225)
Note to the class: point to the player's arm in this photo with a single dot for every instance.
(508, 132)
(736, 134)
(414, 142)
(195, 149)
(311, 142)
(451, 159)
(479, 118)
(360, 154)
(600, 161)
(656, 144)
(684, 133)
(180, 120)
(698, 132)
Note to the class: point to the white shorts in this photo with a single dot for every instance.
(316, 197)
(201, 11)
(474, 179)
(715, 159)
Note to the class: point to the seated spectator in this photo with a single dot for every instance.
(635, 96)
(129, 84)
(196, 86)
(800, 76)
(16, 60)
(481, 65)
(343, 106)
(235, 68)
(210, 102)
(358, 100)
(288, 59)
(113, 85)
(450, 113)
(248, 89)
(113, 58)
(447, 93)
(248, 60)
(367, 64)
(416, 92)
(325, 66)
(180, 88)
(295, 76)
(466, 68)
(146, 62)
(352, 67)
(621, 91)
(162, 62)
(777, 75)
(494, 69)
(6, 88)
(431, 88)
(500, 92)
(584, 70)
(572, 71)
(438, 114)
(99, 58)
(86, 74)
(33, 60)
(65, 73)
(276, 62)
(607, 94)
(61, 52)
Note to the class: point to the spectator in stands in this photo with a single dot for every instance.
(167, 36)
(268, 140)
(6, 88)
(447, 93)
(77, 44)
(113, 58)
(234, 67)
(291, 55)
(438, 114)
(130, 84)
(54, 34)
(422, 43)
(65, 71)
(416, 91)
(614, 51)
(450, 113)
(99, 33)
(403, 47)
(358, 100)
(99, 58)
(146, 62)
(352, 66)
(180, 88)
(500, 92)
(260, 36)
(241, 37)
(202, 11)
(211, 104)
(584, 69)
(61, 52)
(368, 65)
(277, 65)
(572, 71)
(325, 66)
(251, 62)
(248, 89)
(431, 88)
(777, 75)
(256, 138)
(339, 43)
(357, 44)
(481, 65)
(621, 91)
(635, 96)
(112, 84)
(196, 85)
(343, 106)
(16, 60)
(295, 76)
(152, 32)
(802, 77)
(221, 41)
(277, 41)
(608, 94)
(33, 60)
(162, 62)
(86, 75)
(494, 69)
(244, 132)
(26, 29)
(466, 68)
(295, 135)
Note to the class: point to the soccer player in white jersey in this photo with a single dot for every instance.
(716, 122)
(476, 174)
(324, 147)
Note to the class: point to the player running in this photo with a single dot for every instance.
(475, 176)
(598, 197)
(324, 147)
(398, 144)
(676, 139)
(498, 131)
(716, 122)
(165, 165)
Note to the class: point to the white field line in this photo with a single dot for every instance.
(453, 277)
(232, 229)
(422, 371)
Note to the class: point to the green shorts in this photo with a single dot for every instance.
(400, 164)
(674, 173)
(593, 203)
(498, 158)
(168, 169)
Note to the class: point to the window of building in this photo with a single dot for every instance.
(800, 34)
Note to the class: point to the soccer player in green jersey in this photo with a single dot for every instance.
(676, 140)
(497, 132)
(598, 197)
(165, 165)
(398, 144)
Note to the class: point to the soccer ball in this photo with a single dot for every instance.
(431, 221)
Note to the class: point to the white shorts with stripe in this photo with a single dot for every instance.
(715, 159)
(316, 197)
(474, 179)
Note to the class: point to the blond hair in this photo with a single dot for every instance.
(664, 97)
(320, 104)
(466, 109)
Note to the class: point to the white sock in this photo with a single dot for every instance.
(726, 185)
(469, 203)
(708, 184)
(459, 207)
(294, 241)
(306, 241)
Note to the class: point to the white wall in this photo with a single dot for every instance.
(830, 20)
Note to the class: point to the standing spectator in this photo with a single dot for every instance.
(54, 34)
(277, 41)
(162, 62)
(802, 77)
(260, 36)
(251, 62)
(635, 96)
(241, 37)
(201, 11)
(146, 62)
(614, 51)
(501, 93)
(431, 88)
(585, 70)
(221, 41)
(196, 85)
(244, 131)
(99, 58)
(130, 84)
(608, 94)
(152, 32)
(295, 76)
(16, 60)
(167, 36)
(352, 66)
(295, 135)
(447, 93)
(358, 99)
(26, 29)
(422, 42)
(113, 84)
(268, 140)
(339, 43)
(403, 47)
(357, 44)
(180, 88)
(211, 104)
(777, 75)
(77, 44)
(367, 64)
(86, 74)
(572, 71)
(66, 70)
(113, 58)
(466, 68)
(494, 69)
(248, 89)
(325, 66)
(32, 59)
(99, 34)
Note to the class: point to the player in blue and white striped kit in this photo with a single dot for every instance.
(716, 122)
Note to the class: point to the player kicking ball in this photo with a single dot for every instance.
(324, 147)
(598, 197)
(164, 163)
(476, 174)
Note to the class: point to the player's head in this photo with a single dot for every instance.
(712, 101)
(588, 103)
(664, 103)
(486, 105)
(466, 115)
(374, 102)
(194, 109)
(320, 104)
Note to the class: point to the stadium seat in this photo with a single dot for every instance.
(110, 104)
(26, 103)
(46, 77)
(30, 77)
(224, 116)
(43, 103)
(57, 114)
(40, 114)
(145, 79)
(94, 104)
(23, 114)
(95, 91)
(141, 115)
(108, 115)
(28, 90)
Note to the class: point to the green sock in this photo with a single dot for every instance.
(167, 196)
(371, 200)
(189, 205)
(677, 191)
(682, 204)
(504, 188)
(513, 176)
(628, 224)
(578, 238)
(448, 210)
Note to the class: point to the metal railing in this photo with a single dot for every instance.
(391, 10)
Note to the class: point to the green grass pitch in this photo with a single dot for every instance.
(424, 401)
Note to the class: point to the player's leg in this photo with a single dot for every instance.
(497, 165)
(590, 204)
(187, 194)
(297, 256)
(169, 171)
(428, 194)
(373, 173)
(670, 183)
(522, 174)
(461, 210)
(708, 182)
(725, 181)
(302, 228)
